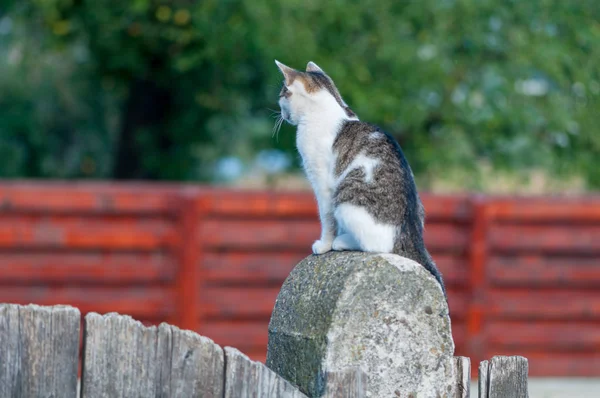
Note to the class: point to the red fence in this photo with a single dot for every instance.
(523, 275)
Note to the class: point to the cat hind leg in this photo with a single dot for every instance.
(345, 242)
(366, 233)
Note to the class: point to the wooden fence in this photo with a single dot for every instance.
(212, 261)
(122, 358)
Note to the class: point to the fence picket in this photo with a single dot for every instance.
(38, 351)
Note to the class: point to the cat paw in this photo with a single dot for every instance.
(320, 247)
(344, 242)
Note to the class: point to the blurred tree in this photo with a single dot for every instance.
(163, 89)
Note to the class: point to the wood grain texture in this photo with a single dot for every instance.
(122, 358)
(245, 378)
(39, 351)
(503, 376)
(462, 365)
(483, 380)
(349, 383)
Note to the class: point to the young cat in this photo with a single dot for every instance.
(364, 187)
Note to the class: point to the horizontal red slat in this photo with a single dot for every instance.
(250, 234)
(86, 267)
(544, 270)
(272, 268)
(38, 231)
(544, 304)
(543, 336)
(226, 302)
(446, 237)
(582, 209)
(454, 268)
(459, 335)
(249, 267)
(555, 238)
(139, 302)
(239, 203)
(258, 204)
(243, 335)
(446, 207)
(299, 235)
(458, 300)
(87, 197)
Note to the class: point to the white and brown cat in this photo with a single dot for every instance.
(364, 187)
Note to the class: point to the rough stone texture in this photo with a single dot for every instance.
(382, 312)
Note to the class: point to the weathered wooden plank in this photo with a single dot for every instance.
(245, 378)
(39, 351)
(191, 365)
(462, 366)
(348, 383)
(503, 376)
(483, 382)
(122, 358)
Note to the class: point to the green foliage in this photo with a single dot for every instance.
(460, 83)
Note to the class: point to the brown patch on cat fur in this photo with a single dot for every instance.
(313, 81)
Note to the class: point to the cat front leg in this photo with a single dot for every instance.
(328, 224)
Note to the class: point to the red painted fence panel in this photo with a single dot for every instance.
(522, 274)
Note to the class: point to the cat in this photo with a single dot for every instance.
(364, 186)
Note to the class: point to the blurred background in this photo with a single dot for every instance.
(137, 156)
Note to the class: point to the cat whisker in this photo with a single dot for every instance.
(277, 127)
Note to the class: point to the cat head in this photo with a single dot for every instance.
(309, 93)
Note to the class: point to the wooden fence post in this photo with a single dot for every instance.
(478, 259)
(503, 376)
(349, 383)
(245, 378)
(188, 273)
(462, 365)
(122, 358)
(39, 351)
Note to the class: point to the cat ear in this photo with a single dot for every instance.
(288, 73)
(312, 67)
